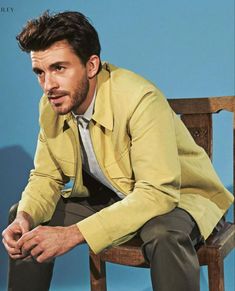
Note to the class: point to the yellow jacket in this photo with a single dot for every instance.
(144, 150)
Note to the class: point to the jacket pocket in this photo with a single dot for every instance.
(120, 172)
(68, 168)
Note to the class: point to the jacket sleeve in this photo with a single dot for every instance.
(45, 183)
(156, 168)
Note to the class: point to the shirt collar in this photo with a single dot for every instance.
(88, 113)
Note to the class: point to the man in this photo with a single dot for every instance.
(134, 166)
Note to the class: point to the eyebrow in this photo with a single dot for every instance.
(51, 67)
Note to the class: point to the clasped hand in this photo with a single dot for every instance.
(46, 242)
(43, 243)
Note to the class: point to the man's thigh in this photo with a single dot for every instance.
(178, 220)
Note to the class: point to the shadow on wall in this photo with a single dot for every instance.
(15, 165)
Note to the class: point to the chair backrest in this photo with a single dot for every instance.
(196, 113)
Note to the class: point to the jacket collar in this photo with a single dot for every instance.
(103, 113)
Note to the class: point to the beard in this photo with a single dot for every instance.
(63, 101)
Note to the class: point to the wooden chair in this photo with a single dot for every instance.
(197, 116)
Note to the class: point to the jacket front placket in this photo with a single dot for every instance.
(78, 190)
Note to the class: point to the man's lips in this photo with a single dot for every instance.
(56, 96)
(57, 99)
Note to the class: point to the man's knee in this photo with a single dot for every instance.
(155, 229)
(153, 238)
(177, 224)
(12, 213)
(161, 237)
(159, 241)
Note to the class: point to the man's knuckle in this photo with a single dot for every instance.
(39, 228)
(38, 239)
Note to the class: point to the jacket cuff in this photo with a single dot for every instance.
(94, 233)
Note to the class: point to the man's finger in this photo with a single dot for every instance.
(44, 257)
(10, 242)
(28, 246)
(11, 238)
(25, 237)
(17, 256)
(11, 250)
(35, 252)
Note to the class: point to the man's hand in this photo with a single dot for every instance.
(46, 242)
(21, 225)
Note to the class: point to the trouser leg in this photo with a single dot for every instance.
(28, 275)
(171, 251)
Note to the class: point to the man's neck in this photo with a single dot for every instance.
(83, 107)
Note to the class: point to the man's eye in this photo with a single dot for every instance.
(38, 73)
(59, 68)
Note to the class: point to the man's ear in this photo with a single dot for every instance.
(92, 66)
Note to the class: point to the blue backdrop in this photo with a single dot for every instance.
(185, 47)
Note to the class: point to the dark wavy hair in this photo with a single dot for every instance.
(40, 33)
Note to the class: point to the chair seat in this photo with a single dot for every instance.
(128, 254)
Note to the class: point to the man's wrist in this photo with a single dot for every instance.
(76, 233)
(22, 215)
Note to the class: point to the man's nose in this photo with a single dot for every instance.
(50, 83)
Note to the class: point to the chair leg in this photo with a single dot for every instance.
(216, 275)
(97, 273)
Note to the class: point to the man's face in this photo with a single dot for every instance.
(62, 77)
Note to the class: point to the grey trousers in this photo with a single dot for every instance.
(168, 244)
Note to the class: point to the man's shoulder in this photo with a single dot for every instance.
(121, 77)
(127, 86)
(122, 90)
